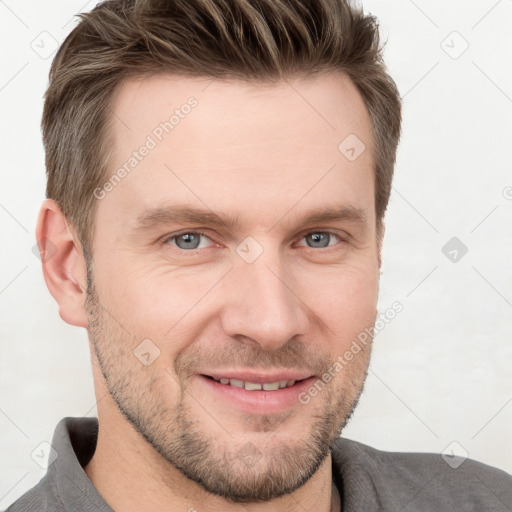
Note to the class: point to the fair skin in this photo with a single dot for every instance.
(265, 156)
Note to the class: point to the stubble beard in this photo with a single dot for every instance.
(243, 471)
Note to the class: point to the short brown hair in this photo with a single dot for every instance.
(252, 40)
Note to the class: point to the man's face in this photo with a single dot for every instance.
(188, 314)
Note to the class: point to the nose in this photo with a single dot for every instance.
(263, 304)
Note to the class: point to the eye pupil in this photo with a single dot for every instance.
(318, 239)
(188, 241)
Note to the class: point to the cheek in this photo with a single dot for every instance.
(345, 298)
(161, 303)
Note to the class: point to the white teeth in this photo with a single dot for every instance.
(237, 383)
(253, 386)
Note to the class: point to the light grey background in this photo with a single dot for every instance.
(441, 377)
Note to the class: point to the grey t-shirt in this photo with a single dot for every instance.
(368, 480)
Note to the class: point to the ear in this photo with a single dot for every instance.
(64, 266)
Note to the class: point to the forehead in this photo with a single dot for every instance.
(233, 145)
(327, 107)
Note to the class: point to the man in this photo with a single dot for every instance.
(218, 174)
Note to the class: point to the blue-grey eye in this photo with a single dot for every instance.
(318, 239)
(188, 240)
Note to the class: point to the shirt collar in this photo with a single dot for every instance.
(74, 441)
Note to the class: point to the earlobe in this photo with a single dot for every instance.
(64, 266)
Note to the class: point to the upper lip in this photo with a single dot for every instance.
(259, 377)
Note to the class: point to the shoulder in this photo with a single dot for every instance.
(37, 498)
(419, 481)
(65, 481)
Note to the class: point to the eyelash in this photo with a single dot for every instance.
(168, 239)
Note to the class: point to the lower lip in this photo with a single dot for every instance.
(258, 402)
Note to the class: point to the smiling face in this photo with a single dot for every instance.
(235, 259)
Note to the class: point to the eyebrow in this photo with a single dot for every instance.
(161, 216)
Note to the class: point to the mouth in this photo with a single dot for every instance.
(257, 393)
(256, 386)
